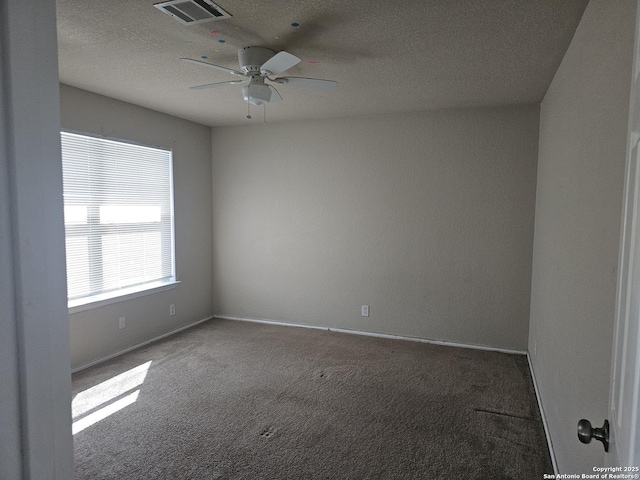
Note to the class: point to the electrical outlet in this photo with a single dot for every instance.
(364, 311)
(122, 322)
(172, 309)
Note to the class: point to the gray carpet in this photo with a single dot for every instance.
(234, 400)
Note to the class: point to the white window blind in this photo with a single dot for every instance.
(118, 209)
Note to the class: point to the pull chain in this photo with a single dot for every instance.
(248, 111)
(264, 120)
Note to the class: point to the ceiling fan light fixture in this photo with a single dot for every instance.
(257, 64)
(256, 93)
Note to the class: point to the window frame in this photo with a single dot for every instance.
(96, 300)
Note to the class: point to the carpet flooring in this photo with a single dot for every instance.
(236, 400)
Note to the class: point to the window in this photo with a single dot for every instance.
(118, 215)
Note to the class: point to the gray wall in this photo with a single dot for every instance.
(426, 217)
(583, 134)
(95, 333)
(35, 380)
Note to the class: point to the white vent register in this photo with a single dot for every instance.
(191, 12)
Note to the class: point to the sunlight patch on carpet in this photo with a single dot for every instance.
(106, 398)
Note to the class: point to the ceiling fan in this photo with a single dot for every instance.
(258, 64)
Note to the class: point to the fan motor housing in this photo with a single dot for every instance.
(252, 58)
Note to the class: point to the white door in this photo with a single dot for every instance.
(624, 435)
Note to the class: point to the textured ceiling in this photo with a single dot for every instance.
(386, 57)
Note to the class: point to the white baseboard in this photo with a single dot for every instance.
(268, 322)
(544, 418)
(373, 334)
(139, 345)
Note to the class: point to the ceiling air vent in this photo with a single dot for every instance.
(190, 12)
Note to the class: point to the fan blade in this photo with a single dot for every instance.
(309, 83)
(211, 65)
(279, 63)
(275, 96)
(218, 84)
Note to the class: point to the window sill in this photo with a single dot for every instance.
(84, 304)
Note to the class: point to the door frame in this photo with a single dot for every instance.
(624, 396)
